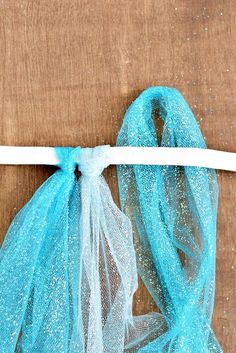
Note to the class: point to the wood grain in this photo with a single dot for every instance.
(69, 69)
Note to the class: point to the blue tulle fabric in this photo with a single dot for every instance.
(66, 285)
(173, 212)
(70, 259)
(39, 268)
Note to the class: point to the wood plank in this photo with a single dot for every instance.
(69, 69)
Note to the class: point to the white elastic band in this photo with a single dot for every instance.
(129, 155)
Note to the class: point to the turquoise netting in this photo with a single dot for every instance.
(70, 259)
(173, 212)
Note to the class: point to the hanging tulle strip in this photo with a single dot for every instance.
(68, 268)
(39, 268)
(173, 212)
(108, 274)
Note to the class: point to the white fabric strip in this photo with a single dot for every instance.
(129, 155)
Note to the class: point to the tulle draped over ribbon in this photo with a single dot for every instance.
(173, 212)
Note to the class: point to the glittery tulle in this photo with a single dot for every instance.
(108, 274)
(39, 270)
(68, 267)
(173, 212)
(70, 258)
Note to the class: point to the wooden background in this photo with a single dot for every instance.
(69, 69)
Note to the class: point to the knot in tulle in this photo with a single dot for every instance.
(92, 161)
(68, 158)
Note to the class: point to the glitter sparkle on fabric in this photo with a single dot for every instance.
(70, 259)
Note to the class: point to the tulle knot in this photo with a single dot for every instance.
(68, 158)
(92, 161)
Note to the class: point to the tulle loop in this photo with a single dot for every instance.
(173, 212)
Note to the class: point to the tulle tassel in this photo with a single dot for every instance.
(108, 274)
(38, 307)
